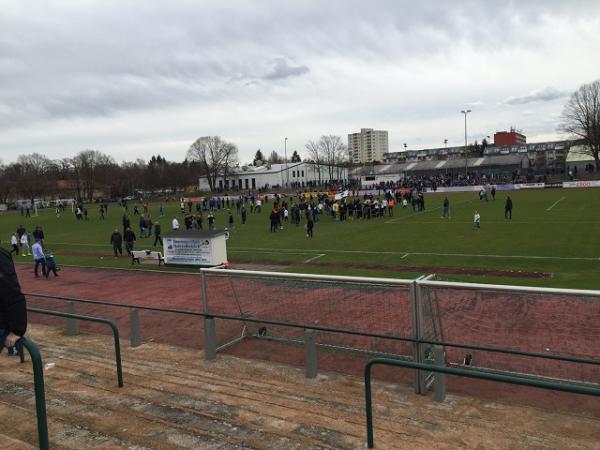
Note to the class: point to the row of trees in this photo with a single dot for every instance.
(90, 171)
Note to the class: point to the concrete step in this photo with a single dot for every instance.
(173, 399)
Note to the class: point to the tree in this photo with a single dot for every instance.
(314, 154)
(275, 158)
(32, 175)
(333, 151)
(215, 156)
(581, 118)
(296, 157)
(258, 157)
(90, 168)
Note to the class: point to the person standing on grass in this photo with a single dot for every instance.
(25, 245)
(129, 238)
(230, 220)
(309, 226)
(446, 209)
(157, 236)
(477, 220)
(116, 239)
(38, 258)
(494, 192)
(508, 206)
(175, 224)
(126, 223)
(244, 215)
(14, 241)
(13, 307)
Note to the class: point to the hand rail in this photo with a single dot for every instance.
(574, 389)
(571, 359)
(38, 382)
(108, 322)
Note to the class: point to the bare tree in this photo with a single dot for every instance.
(32, 174)
(215, 156)
(314, 154)
(89, 168)
(581, 118)
(333, 151)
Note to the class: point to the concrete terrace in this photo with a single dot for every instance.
(172, 399)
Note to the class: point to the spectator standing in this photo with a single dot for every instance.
(39, 258)
(25, 245)
(508, 206)
(175, 224)
(157, 236)
(116, 239)
(129, 238)
(477, 220)
(14, 241)
(446, 208)
(13, 308)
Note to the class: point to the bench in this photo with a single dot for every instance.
(137, 255)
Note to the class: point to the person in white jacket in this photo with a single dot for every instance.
(25, 245)
(175, 224)
(14, 241)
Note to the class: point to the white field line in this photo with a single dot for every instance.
(460, 255)
(404, 256)
(414, 214)
(320, 255)
(555, 203)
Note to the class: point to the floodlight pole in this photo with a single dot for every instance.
(287, 174)
(466, 157)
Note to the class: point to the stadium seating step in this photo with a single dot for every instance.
(172, 399)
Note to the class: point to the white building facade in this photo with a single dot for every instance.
(367, 146)
(293, 175)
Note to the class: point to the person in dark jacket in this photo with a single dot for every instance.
(157, 236)
(129, 238)
(508, 208)
(116, 239)
(13, 308)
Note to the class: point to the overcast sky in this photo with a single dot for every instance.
(133, 79)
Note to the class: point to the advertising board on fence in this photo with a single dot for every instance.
(581, 184)
(195, 248)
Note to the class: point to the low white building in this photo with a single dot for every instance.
(293, 175)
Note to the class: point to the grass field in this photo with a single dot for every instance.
(552, 240)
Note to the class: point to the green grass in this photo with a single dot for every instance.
(563, 241)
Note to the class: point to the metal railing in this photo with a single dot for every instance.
(209, 316)
(38, 383)
(574, 389)
(108, 322)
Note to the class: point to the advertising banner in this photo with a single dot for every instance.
(188, 251)
(581, 184)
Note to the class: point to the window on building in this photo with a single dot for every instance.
(247, 184)
(240, 183)
(303, 174)
(253, 183)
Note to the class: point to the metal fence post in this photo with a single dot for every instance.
(310, 353)
(71, 323)
(134, 324)
(210, 339)
(439, 384)
(416, 334)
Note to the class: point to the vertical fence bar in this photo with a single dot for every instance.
(204, 292)
(415, 333)
(310, 353)
(439, 389)
(210, 339)
(134, 324)
(71, 322)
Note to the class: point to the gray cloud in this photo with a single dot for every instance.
(282, 70)
(182, 69)
(544, 95)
